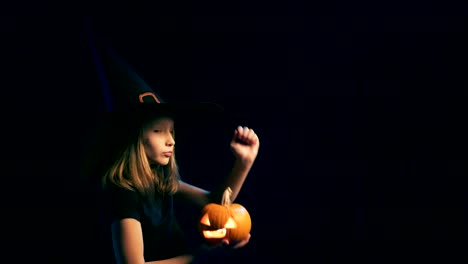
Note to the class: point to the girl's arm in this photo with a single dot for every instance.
(244, 145)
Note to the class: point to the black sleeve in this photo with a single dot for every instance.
(120, 203)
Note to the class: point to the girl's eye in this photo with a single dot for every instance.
(157, 130)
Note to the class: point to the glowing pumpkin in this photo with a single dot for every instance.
(227, 220)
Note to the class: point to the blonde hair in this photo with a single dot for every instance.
(133, 171)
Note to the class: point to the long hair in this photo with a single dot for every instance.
(133, 171)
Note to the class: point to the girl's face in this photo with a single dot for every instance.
(158, 140)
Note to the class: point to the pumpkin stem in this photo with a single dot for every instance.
(226, 201)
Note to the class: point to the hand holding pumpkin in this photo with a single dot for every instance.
(218, 252)
(237, 243)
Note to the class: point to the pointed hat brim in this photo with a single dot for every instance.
(187, 112)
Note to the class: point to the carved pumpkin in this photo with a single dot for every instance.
(227, 220)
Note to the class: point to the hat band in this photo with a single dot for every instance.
(140, 97)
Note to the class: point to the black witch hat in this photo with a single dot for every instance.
(129, 96)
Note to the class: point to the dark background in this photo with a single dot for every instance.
(359, 108)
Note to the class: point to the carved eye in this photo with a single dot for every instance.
(205, 220)
(230, 223)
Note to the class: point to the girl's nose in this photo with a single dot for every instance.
(170, 141)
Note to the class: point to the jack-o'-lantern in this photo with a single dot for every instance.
(227, 220)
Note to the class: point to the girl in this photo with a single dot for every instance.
(142, 181)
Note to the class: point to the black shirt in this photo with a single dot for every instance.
(162, 236)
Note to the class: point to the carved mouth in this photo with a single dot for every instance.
(220, 233)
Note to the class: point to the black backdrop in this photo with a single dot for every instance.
(359, 108)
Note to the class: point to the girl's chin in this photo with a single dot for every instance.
(160, 163)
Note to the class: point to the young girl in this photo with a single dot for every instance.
(141, 183)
